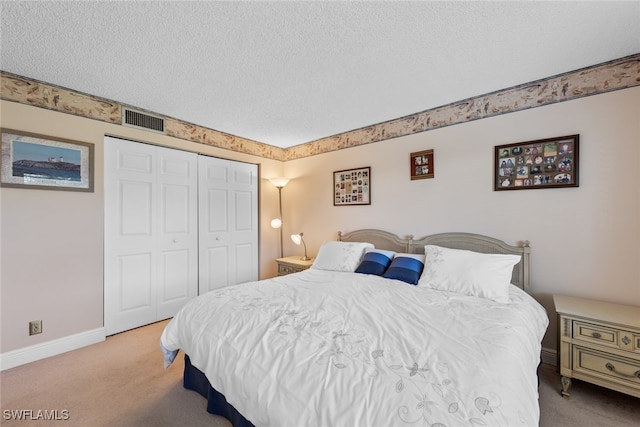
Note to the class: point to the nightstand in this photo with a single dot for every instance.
(292, 264)
(598, 342)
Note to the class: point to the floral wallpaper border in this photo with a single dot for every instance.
(613, 75)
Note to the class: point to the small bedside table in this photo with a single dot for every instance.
(292, 264)
(598, 342)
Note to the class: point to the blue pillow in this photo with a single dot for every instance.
(406, 267)
(375, 261)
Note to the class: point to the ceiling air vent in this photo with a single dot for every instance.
(140, 120)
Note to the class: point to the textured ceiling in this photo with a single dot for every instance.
(286, 73)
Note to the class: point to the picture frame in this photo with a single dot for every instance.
(421, 164)
(43, 162)
(352, 187)
(542, 163)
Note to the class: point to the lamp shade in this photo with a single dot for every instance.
(279, 182)
(276, 223)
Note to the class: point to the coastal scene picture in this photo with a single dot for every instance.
(35, 161)
(38, 161)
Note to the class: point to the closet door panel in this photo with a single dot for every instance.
(215, 170)
(245, 259)
(228, 223)
(213, 218)
(245, 222)
(134, 282)
(130, 260)
(136, 206)
(178, 230)
(216, 260)
(217, 220)
(244, 218)
(175, 268)
(176, 217)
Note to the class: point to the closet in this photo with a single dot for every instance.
(177, 224)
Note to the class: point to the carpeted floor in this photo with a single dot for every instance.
(121, 382)
(589, 405)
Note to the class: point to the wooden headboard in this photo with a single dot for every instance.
(468, 241)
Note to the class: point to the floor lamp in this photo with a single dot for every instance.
(279, 183)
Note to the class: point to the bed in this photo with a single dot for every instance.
(380, 331)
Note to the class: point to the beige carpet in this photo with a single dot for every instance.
(121, 382)
(589, 405)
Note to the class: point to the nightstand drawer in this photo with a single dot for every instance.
(603, 335)
(284, 269)
(292, 264)
(607, 366)
(595, 333)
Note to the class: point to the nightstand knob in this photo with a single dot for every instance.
(596, 335)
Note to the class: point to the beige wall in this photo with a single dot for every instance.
(584, 240)
(52, 241)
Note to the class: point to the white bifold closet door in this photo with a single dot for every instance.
(176, 224)
(151, 233)
(228, 218)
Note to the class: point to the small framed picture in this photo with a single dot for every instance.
(421, 164)
(352, 187)
(38, 161)
(543, 163)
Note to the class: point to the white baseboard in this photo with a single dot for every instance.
(14, 358)
(549, 356)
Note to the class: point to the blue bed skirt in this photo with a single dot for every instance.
(195, 380)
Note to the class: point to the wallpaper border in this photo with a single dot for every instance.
(606, 77)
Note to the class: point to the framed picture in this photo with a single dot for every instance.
(544, 163)
(421, 164)
(37, 161)
(352, 187)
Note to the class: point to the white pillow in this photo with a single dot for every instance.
(467, 272)
(340, 256)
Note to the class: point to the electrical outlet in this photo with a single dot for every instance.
(35, 327)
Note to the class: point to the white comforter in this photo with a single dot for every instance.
(321, 348)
